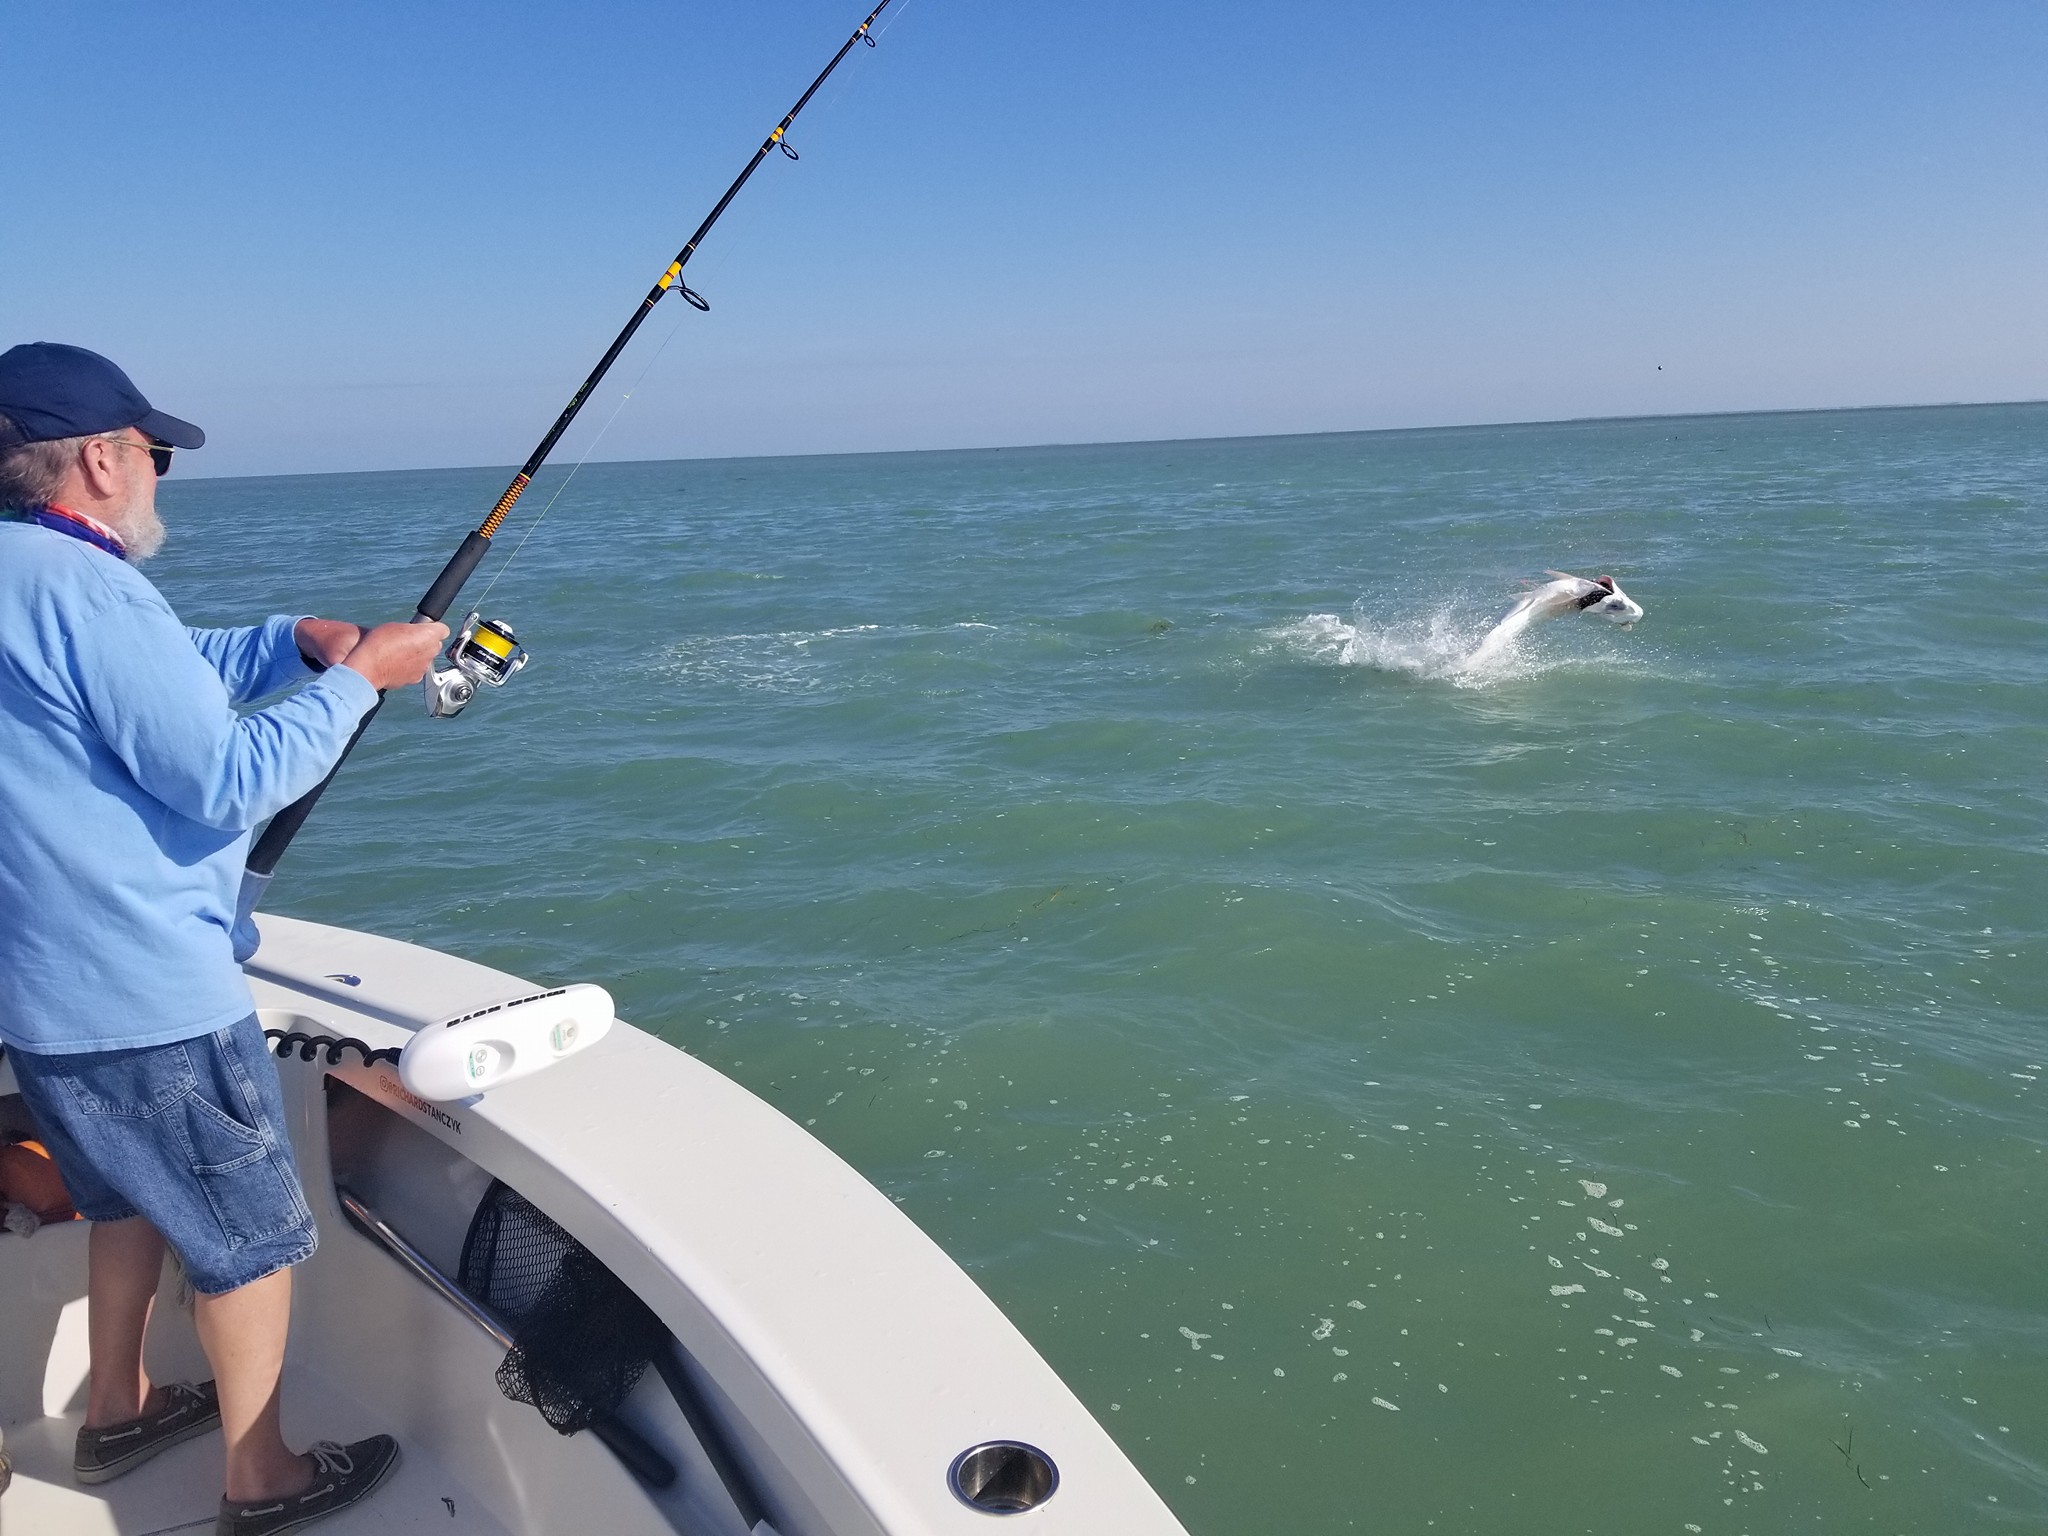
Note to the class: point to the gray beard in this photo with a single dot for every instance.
(142, 534)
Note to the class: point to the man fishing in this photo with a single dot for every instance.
(128, 787)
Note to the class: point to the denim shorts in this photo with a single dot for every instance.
(190, 1135)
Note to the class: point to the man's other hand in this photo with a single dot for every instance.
(393, 655)
(326, 641)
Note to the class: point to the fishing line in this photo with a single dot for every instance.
(890, 24)
(846, 84)
(534, 527)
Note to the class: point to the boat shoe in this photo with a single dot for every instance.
(117, 1448)
(342, 1474)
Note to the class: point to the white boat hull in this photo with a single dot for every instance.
(846, 1360)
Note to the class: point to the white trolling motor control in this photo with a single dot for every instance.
(477, 1051)
(484, 653)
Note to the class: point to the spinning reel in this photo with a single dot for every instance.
(483, 653)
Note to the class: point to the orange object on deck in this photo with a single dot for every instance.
(28, 1176)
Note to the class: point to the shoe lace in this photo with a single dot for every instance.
(333, 1457)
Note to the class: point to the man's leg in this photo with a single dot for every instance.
(125, 1259)
(243, 1332)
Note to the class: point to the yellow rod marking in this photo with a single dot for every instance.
(512, 493)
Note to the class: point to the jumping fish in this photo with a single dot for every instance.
(1565, 594)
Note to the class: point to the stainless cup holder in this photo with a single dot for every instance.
(1003, 1477)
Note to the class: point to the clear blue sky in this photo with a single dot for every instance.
(382, 235)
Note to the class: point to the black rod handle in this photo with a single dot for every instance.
(739, 1486)
(634, 1451)
(442, 594)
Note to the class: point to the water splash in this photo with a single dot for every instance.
(1443, 645)
(1462, 641)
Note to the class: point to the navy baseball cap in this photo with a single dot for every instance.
(49, 390)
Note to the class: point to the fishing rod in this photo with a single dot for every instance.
(485, 652)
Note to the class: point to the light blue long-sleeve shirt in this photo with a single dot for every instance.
(128, 789)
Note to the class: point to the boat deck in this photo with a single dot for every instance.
(180, 1490)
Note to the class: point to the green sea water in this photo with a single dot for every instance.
(1598, 1094)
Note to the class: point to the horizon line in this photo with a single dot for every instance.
(1138, 442)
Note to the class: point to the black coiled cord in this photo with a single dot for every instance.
(310, 1045)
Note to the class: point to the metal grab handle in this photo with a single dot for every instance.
(374, 1227)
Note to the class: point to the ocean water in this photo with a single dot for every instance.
(1597, 1093)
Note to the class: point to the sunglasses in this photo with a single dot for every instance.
(159, 453)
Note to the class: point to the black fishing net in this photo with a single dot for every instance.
(581, 1338)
